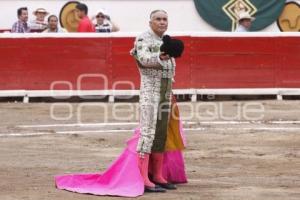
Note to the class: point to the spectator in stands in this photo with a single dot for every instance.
(85, 24)
(245, 22)
(39, 24)
(21, 25)
(104, 24)
(53, 25)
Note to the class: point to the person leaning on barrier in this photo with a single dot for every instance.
(53, 25)
(39, 24)
(104, 24)
(85, 24)
(21, 26)
(244, 22)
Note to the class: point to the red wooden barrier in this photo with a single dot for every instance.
(93, 63)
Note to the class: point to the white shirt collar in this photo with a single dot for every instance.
(241, 28)
(155, 35)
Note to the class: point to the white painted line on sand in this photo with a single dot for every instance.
(24, 134)
(126, 131)
(284, 122)
(245, 128)
(248, 122)
(62, 133)
(136, 123)
(87, 124)
(93, 131)
(78, 125)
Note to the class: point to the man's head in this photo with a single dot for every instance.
(40, 14)
(245, 20)
(100, 17)
(159, 22)
(246, 23)
(23, 14)
(52, 22)
(81, 10)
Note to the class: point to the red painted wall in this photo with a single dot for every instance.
(208, 62)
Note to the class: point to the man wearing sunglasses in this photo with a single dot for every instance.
(104, 23)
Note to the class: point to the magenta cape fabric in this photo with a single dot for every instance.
(123, 177)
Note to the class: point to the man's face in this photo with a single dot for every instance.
(24, 16)
(100, 18)
(40, 16)
(80, 13)
(53, 23)
(246, 23)
(159, 23)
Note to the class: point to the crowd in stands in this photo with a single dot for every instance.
(103, 22)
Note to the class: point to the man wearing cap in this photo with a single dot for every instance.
(39, 24)
(104, 24)
(85, 24)
(244, 22)
(156, 70)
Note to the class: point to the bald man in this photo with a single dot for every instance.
(157, 70)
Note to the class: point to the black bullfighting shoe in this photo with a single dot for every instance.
(157, 188)
(168, 186)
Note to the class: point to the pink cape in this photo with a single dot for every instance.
(123, 177)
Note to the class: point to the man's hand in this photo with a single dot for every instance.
(164, 56)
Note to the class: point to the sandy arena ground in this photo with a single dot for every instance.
(252, 156)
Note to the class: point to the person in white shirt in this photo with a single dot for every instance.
(39, 24)
(245, 22)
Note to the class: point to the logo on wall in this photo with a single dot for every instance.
(223, 14)
(289, 20)
(68, 18)
(234, 7)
